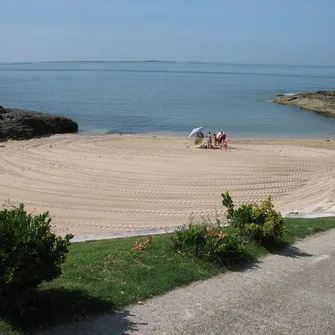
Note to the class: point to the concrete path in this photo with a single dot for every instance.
(291, 293)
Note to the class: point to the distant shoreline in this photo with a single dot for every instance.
(162, 61)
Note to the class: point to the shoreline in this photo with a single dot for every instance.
(181, 136)
(111, 184)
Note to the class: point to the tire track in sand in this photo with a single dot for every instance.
(121, 183)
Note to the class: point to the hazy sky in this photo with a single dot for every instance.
(238, 31)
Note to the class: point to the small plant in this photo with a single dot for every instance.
(259, 221)
(139, 246)
(29, 254)
(212, 242)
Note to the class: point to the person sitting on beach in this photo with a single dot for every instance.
(199, 134)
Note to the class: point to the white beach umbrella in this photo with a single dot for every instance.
(195, 130)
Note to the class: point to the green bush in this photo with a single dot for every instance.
(29, 254)
(1, 107)
(214, 243)
(259, 221)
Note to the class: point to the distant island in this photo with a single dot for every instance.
(101, 61)
(322, 102)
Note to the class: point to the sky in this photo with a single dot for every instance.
(230, 31)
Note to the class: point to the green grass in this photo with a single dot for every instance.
(108, 275)
(300, 228)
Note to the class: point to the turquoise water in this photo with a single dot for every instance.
(170, 98)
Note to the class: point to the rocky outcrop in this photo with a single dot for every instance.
(322, 102)
(20, 125)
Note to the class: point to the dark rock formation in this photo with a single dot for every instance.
(322, 102)
(20, 125)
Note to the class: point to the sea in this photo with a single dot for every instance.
(170, 98)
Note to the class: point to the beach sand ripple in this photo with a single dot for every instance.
(100, 184)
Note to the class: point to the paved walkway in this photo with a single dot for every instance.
(291, 293)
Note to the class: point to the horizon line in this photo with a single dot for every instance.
(160, 61)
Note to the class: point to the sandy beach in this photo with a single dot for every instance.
(105, 184)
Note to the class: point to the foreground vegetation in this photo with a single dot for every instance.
(108, 275)
(29, 255)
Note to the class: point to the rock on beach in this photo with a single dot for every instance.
(322, 102)
(19, 124)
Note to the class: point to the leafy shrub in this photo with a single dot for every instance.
(210, 242)
(259, 221)
(29, 254)
(1, 107)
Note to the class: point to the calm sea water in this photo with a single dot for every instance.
(170, 98)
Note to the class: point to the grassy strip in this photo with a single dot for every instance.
(107, 275)
(299, 228)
